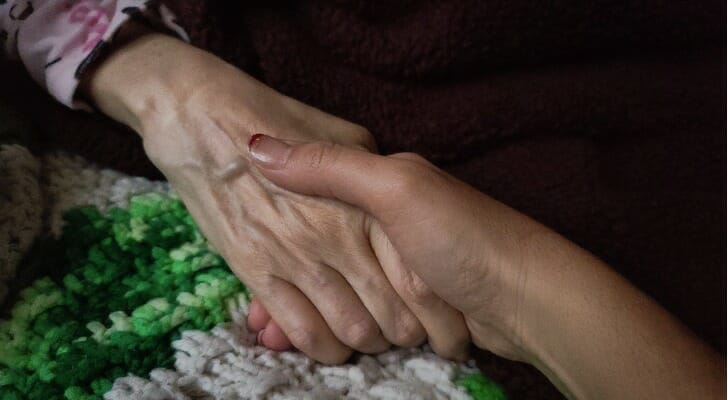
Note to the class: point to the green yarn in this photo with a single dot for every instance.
(128, 283)
(481, 388)
(132, 280)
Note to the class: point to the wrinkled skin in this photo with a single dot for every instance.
(311, 262)
(471, 250)
(526, 292)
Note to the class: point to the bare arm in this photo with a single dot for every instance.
(596, 336)
(526, 292)
(308, 261)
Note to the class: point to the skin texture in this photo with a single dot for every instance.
(526, 292)
(313, 262)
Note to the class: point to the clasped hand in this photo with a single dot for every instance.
(526, 293)
(348, 250)
(320, 267)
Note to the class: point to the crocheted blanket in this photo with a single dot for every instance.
(110, 291)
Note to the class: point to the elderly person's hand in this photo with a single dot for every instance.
(526, 292)
(308, 260)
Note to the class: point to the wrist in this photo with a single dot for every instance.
(555, 304)
(146, 76)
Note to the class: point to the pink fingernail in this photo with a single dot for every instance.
(254, 139)
(267, 151)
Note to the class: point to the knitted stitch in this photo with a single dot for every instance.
(137, 305)
(481, 387)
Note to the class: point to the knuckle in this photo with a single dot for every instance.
(361, 333)
(308, 340)
(407, 179)
(416, 290)
(261, 277)
(320, 155)
(315, 277)
(409, 332)
(339, 357)
(363, 137)
(263, 282)
(455, 348)
(303, 338)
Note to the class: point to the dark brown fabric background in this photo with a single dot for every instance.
(602, 119)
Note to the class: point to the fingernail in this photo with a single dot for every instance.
(253, 139)
(259, 339)
(268, 151)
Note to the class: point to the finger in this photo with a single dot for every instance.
(341, 308)
(270, 334)
(302, 323)
(325, 169)
(258, 317)
(447, 333)
(273, 337)
(413, 157)
(397, 323)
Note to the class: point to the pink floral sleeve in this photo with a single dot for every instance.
(58, 39)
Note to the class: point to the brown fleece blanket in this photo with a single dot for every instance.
(602, 119)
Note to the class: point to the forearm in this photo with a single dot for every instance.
(146, 76)
(152, 82)
(597, 337)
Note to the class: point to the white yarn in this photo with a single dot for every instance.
(73, 182)
(217, 365)
(225, 363)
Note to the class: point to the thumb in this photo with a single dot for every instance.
(323, 169)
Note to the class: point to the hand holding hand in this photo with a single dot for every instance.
(309, 260)
(526, 292)
(429, 224)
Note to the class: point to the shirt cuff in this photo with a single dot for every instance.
(59, 40)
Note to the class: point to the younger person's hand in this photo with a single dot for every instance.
(526, 292)
(309, 260)
(429, 225)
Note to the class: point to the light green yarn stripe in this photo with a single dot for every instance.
(134, 279)
(131, 281)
